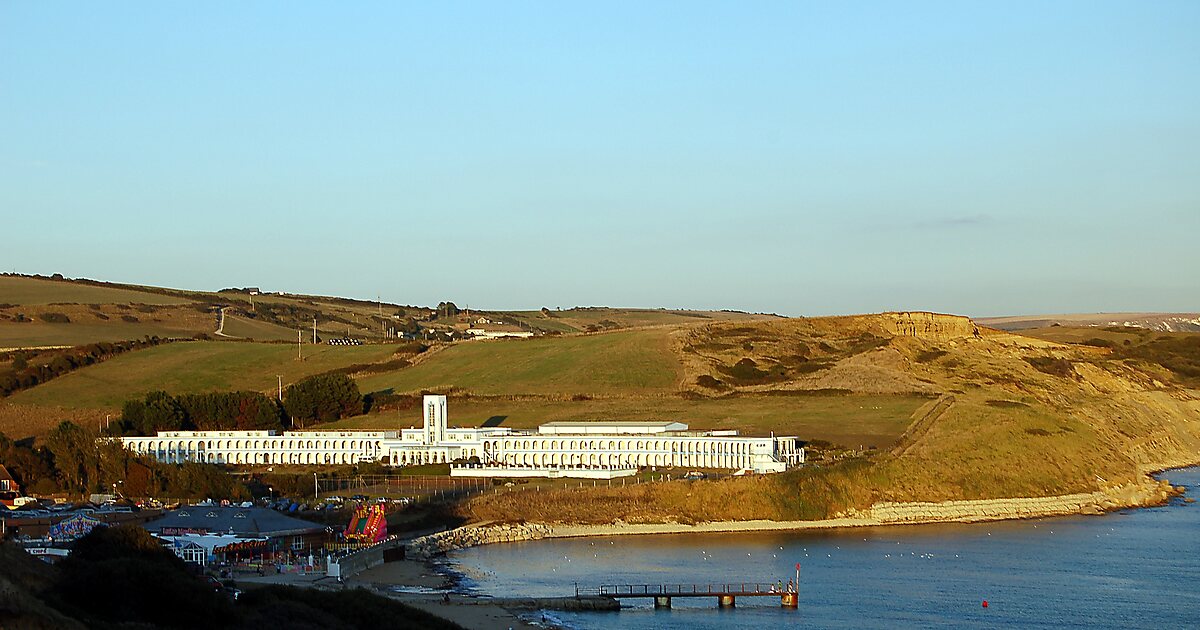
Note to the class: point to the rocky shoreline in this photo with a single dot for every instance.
(1148, 493)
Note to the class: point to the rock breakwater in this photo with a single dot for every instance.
(426, 547)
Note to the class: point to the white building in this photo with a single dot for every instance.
(588, 449)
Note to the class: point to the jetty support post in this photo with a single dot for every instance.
(725, 601)
(662, 601)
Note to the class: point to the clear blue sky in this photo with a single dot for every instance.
(799, 158)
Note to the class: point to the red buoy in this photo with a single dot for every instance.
(985, 603)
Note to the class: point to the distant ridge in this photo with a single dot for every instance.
(1161, 322)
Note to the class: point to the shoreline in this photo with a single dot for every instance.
(435, 588)
(1150, 493)
(1146, 492)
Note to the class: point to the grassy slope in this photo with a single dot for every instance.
(39, 334)
(243, 328)
(194, 366)
(627, 362)
(35, 291)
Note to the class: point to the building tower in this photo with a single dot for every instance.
(435, 419)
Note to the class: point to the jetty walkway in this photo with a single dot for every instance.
(725, 594)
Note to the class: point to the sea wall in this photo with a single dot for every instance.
(432, 545)
(987, 509)
(358, 561)
(1150, 492)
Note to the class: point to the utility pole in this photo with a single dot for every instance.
(280, 377)
(314, 330)
(299, 344)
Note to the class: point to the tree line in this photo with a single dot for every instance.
(318, 398)
(28, 369)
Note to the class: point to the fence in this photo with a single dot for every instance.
(415, 487)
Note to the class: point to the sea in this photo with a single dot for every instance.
(1137, 568)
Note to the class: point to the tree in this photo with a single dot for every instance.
(75, 455)
(446, 309)
(323, 398)
(158, 412)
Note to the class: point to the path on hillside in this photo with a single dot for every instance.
(220, 332)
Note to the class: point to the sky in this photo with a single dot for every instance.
(797, 158)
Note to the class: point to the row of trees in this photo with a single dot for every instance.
(318, 398)
(160, 411)
(33, 368)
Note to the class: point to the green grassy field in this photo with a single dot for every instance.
(629, 362)
(34, 334)
(192, 366)
(260, 331)
(851, 421)
(31, 291)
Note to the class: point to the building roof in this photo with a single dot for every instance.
(249, 522)
(4, 476)
(616, 427)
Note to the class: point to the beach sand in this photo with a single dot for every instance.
(468, 612)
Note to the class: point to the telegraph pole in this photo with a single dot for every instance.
(280, 377)
(299, 344)
(314, 330)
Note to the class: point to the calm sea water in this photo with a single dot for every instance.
(1132, 569)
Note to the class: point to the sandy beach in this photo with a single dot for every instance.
(429, 593)
(469, 612)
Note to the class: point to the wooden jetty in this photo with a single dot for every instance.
(725, 594)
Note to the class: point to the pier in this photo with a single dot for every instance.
(662, 594)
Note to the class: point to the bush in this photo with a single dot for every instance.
(1052, 366)
(928, 356)
(55, 318)
(705, 380)
(747, 372)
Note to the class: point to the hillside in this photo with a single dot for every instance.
(625, 362)
(590, 319)
(640, 374)
(40, 312)
(90, 393)
(1011, 416)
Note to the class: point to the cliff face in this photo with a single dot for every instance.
(929, 326)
